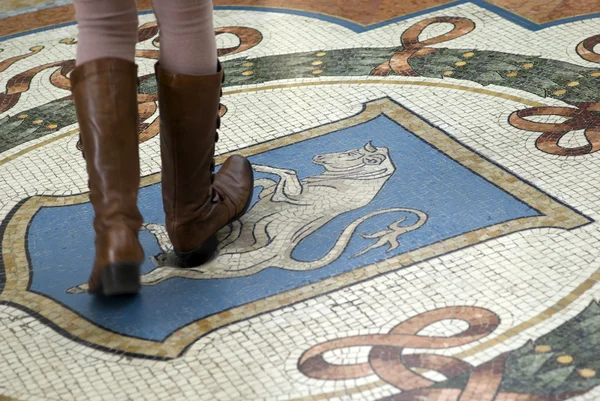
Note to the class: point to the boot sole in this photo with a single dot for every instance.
(121, 278)
(200, 255)
(204, 252)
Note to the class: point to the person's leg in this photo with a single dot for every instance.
(107, 28)
(104, 87)
(197, 202)
(187, 37)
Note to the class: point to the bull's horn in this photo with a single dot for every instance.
(370, 148)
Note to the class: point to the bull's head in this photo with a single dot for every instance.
(366, 162)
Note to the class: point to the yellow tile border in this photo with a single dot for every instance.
(70, 323)
(440, 84)
(37, 146)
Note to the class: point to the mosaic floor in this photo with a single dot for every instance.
(423, 226)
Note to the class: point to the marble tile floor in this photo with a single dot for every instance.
(457, 260)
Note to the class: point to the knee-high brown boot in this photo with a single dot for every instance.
(105, 94)
(197, 203)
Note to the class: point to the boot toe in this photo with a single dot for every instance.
(236, 178)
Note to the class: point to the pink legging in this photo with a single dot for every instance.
(108, 28)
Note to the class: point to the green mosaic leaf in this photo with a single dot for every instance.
(529, 372)
(539, 76)
(553, 379)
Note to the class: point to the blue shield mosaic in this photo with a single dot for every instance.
(323, 206)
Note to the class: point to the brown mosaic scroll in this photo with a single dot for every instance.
(21, 82)
(586, 118)
(4, 64)
(482, 385)
(412, 47)
(585, 49)
(59, 77)
(146, 108)
(386, 360)
(385, 357)
(145, 32)
(249, 37)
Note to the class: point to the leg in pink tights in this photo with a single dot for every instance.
(187, 37)
(107, 28)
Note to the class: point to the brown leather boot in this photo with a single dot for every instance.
(105, 94)
(197, 203)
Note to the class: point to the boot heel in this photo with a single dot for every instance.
(200, 255)
(121, 278)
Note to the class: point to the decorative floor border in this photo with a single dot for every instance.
(554, 214)
(316, 82)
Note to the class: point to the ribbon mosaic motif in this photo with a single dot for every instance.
(535, 372)
(585, 117)
(387, 361)
(412, 47)
(412, 58)
(20, 83)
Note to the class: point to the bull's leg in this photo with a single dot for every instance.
(159, 232)
(288, 187)
(160, 274)
(268, 187)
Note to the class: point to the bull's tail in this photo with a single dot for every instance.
(153, 277)
(389, 236)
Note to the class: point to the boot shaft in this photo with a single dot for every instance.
(105, 95)
(188, 124)
(197, 204)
